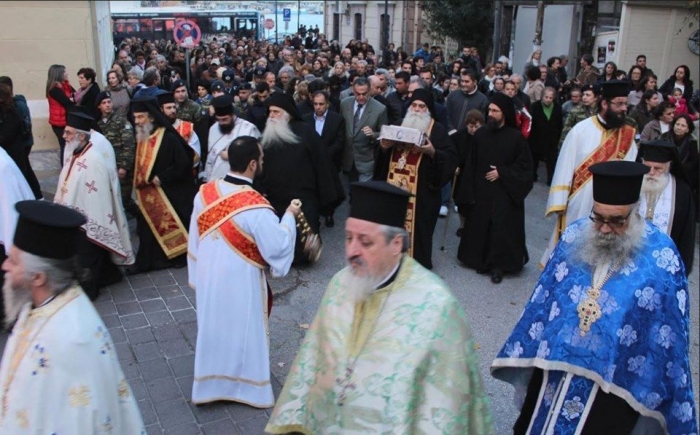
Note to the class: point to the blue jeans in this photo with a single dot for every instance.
(445, 192)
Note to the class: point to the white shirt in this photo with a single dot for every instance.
(320, 122)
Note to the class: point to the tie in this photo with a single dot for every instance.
(356, 120)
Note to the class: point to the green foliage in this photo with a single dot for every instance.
(469, 22)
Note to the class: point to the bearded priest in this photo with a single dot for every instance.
(389, 350)
(421, 171)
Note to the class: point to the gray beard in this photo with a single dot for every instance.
(277, 133)
(597, 249)
(15, 300)
(358, 287)
(143, 132)
(417, 120)
(653, 187)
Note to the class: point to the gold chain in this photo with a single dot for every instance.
(589, 310)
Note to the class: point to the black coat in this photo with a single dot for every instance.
(332, 136)
(11, 142)
(670, 84)
(87, 102)
(545, 133)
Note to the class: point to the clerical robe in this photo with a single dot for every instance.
(571, 194)
(401, 362)
(232, 359)
(637, 350)
(186, 131)
(494, 227)
(674, 214)
(60, 373)
(216, 167)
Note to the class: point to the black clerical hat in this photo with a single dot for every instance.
(47, 230)
(660, 151)
(614, 88)
(79, 120)
(141, 104)
(617, 182)
(426, 97)
(223, 105)
(284, 102)
(379, 202)
(165, 98)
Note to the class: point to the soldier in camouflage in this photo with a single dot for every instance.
(187, 110)
(588, 108)
(117, 129)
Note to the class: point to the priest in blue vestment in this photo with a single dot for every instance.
(602, 346)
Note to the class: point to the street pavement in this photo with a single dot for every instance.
(152, 321)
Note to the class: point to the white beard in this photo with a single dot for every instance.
(358, 287)
(597, 249)
(417, 120)
(653, 187)
(143, 132)
(15, 300)
(278, 133)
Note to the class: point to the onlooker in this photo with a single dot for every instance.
(588, 74)
(609, 71)
(574, 101)
(459, 103)
(27, 138)
(59, 93)
(663, 117)
(681, 134)
(679, 80)
(534, 88)
(119, 91)
(642, 112)
(547, 124)
(535, 59)
(87, 92)
(648, 83)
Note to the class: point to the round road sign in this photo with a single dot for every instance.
(269, 24)
(187, 34)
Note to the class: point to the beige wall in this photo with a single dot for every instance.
(36, 34)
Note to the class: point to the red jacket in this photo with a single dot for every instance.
(57, 113)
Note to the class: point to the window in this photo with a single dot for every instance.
(358, 26)
(336, 26)
(384, 23)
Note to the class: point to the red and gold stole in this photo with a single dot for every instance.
(403, 172)
(160, 215)
(185, 129)
(217, 215)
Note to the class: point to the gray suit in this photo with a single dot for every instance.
(359, 148)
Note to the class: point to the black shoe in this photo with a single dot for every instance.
(482, 271)
(133, 270)
(496, 276)
(330, 222)
(459, 232)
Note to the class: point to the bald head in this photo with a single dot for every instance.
(376, 85)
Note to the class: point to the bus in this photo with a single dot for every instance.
(154, 23)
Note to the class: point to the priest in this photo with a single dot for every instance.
(666, 199)
(296, 167)
(422, 171)
(88, 183)
(497, 180)
(389, 350)
(60, 370)
(234, 232)
(164, 190)
(166, 101)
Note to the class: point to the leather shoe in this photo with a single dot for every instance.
(330, 222)
(496, 276)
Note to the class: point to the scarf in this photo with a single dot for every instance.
(80, 92)
(548, 111)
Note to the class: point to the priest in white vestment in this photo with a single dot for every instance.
(59, 373)
(597, 139)
(227, 127)
(234, 238)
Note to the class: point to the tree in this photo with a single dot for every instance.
(469, 22)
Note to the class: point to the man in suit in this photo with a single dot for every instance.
(331, 127)
(364, 118)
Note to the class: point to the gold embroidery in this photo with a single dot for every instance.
(123, 390)
(79, 396)
(23, 419)
(589, 310)
(232, 379)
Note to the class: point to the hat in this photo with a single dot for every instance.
(259, 72)
(101, 97)
(165, 98)
(79, 120)
(614, 88)
(216, 61)
(425, 96)
(660, 151)
(217, 86)
(617, 182)
(505, 103)
(227, 76)
(177, 84)
(245, 86)
(284, 102)
(223, 105)
(595, 88)
(379, 202)
(140, 104)
(47, 229)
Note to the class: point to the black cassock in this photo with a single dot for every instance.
(683, 225)
(494, 228)
(433, 173)
(173, 166)
(300, 171)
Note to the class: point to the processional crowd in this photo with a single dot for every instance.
(231, 173)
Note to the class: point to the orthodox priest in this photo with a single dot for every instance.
(498, 178)
(228, 127)
(422, 171)
(389, 350)
(296, 167)
(166, 101)
(235, 232)
(602, 346)
(60, 371)
(164, 189)
(89, 184)
(600, 138)
(666, 199)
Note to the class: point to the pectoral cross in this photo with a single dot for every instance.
(91, 187)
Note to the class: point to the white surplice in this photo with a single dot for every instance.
(13, 188)
(662, 211)
(216, 166)
(60, 373)
(232, 360)
(580, 142)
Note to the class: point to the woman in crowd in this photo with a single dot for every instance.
(534, 88)
(535, 59)
(642, 112)
(681, 134)
(663, 117)
(679, 80)
(635, 78)
(648, 83)
(609, 71)
(486, 83)
(59, 93)
(87, 92)
(498, 85)
(121, 99)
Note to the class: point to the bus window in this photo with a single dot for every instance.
(145, 25)
(220, 24)
(122, 25)
(169, 25)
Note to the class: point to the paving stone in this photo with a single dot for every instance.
(133, 321)
(147, 294)
(131, 307)
(170, 291)
(124, 352)
(148, 413)
(154, 430)
(125, 295)
(188, 429)
(193, 301)
(175, 348)
(163, 280)
(138, 388)
(240, 412)
(153, 305)
(111, 321)
(276, 385)
(120, 286)
(105, 307)
(210, 412)
(154, 369)
(163, 389)
(189, 330)
(180, 275)
(254, 425)
(175, 412)
(185, 316)
(167, 332)
(185, 383)
(187, 290)
(223, 427)
(160, 318)
(178, 303)
(146, 351)
(140, 281)
(182, 365)
(140, 335)
(131, 370)
(117, 335)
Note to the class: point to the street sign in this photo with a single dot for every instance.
(287, 14)
(269, 24)
(187, 34)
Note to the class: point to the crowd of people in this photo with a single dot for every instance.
(230, 164)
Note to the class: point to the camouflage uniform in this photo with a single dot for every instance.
(120, 134)
(576, 115)
(189, 111)
(242, 109)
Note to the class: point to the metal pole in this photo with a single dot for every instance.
(386, 24)
(187, 64)
(299, 15)
(498, 9)
(277, 40)
(538, 26)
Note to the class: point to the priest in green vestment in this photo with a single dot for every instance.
(389, 350)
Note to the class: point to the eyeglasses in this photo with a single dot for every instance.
(615, 222)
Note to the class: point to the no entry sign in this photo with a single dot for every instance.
(187, 34)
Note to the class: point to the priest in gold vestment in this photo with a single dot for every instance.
(389, 350)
